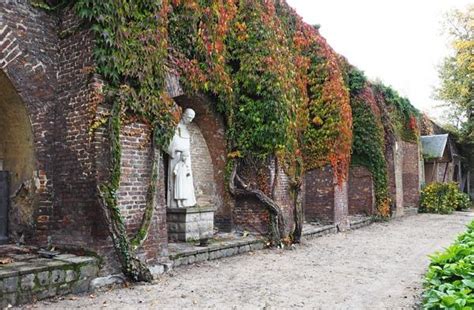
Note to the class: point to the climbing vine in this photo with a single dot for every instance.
(368, 144)
(403, 115)
(273, 78)
(327, 139)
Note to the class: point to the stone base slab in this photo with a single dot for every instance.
(39, 278)
(190, 224)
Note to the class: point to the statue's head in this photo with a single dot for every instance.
(184, 155)
(188, 116)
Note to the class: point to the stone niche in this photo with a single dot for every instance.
(17, 162)
(196, 223)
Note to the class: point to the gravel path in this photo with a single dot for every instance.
(377, 267)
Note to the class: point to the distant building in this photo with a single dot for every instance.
(442, 160)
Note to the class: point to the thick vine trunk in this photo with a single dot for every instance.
(132, 267)
(144, 229)
(299, 215)
(243, 189)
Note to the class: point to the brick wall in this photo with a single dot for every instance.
(324, 200)
(76, 209)
(28, 46)
(411, 178)
(361, 191)
(249, 214)
(48, 59)
(318, 201)
(252, 215)
(134, 183)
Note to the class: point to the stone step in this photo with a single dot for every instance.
(39, 278)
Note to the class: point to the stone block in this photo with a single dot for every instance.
(64, 289)
(191, 259)
(8, 299)
(43, 278)
(157, 270)
(216, 254)
(58, 276)
(101, 282)
(244, 248)
(46, 292)
(24, 297)
(71, 275)
(80, 286)
(190, 224)
(256, 246)
(182, 261)
(202, 257)
(10, 284)
(88, 271)
(230, 252)
(28, 282)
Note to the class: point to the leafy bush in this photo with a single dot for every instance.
(449, 283)
(443, 198)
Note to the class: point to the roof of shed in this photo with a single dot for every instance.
(434, 146)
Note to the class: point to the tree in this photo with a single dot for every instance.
(457, 78)
(457, 70)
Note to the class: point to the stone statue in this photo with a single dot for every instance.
(183, 184)
(180, 176)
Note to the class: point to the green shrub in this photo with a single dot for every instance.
(443, 198)
(449, 283)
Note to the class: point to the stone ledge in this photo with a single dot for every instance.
(191, 210)
(361, 223)
(39, 278)
(310, 231)
(410, 211)
(234, 247)
(216, 251)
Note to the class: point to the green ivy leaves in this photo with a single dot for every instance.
(449, 282)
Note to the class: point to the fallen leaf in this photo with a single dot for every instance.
(5, 260)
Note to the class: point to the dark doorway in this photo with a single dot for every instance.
(4, 204)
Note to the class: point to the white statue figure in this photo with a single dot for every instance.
(183, 184)
(180, 180)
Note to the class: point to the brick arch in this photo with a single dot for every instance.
(17, 157)
(31, 75)
(28, 57)
(212, 128)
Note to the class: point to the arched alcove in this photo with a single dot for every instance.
(16, 158)
(208, 153)
(203, 169)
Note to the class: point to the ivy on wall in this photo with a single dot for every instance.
(275, 80)
(403, 116)
(368, 143)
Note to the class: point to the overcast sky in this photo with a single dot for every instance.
(397, 41)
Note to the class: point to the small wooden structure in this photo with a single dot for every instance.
(442, 160)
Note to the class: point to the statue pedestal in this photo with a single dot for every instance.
(190, 224)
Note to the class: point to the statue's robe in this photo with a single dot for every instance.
(180, 143)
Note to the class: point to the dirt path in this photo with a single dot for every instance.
(376, 267)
